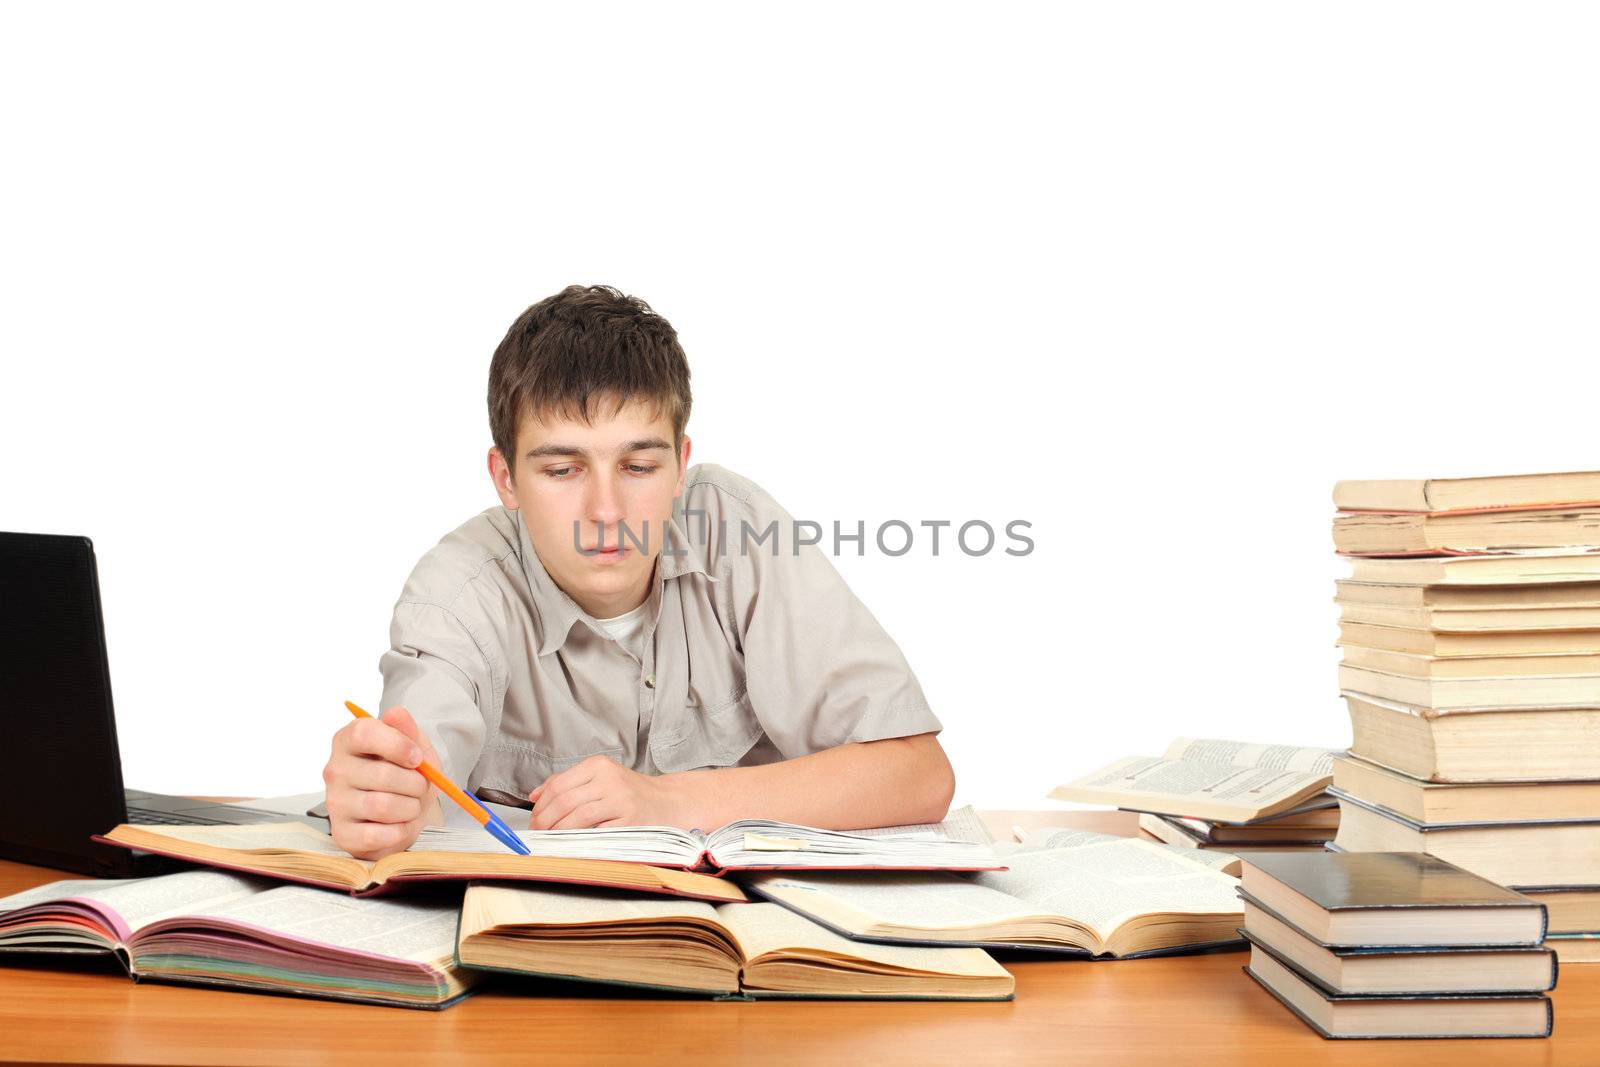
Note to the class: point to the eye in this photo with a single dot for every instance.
(558, 472)
(641, 468)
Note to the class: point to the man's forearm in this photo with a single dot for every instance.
(873, 783)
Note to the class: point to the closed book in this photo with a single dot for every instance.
(1206, 834)
(1559, 566)
(1447, 598)
(1550, 690)
(1425, 641)
(1509, 853)
(1453, 802)
(1404, 899)
(1464, 745)
(1576, 947)
(1541, 490)
(1486, 668)
(1404, 533)
(1573, 909)
(1390, 1015)
(1402, 969)
(1471, 621)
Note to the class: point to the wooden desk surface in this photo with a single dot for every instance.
(1180, 1010)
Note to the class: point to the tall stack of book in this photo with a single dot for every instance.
(1383, 944)
(1470, 629)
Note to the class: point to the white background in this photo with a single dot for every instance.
(1151, 277)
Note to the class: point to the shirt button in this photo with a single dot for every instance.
(649, 681)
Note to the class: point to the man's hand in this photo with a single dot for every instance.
(377, 801)
(602, 792)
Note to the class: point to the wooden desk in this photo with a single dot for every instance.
(1182, 1010)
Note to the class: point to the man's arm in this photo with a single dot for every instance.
(891, 782)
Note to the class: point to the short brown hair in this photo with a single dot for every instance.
(586, 343)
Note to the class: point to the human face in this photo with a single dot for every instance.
(579, 485)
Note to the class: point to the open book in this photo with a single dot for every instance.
(960, 843)
(1083, 893)
(295, 852)
(225, 929)
(754, 950)
(1223, 781)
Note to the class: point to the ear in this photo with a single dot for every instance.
(500, 473)
(683, 466)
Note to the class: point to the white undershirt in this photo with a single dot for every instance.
(628, 629)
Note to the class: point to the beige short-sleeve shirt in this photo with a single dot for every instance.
(754, 650)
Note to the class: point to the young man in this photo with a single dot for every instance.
(627, 640)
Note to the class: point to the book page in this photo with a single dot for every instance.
(665, 845)
(1316, 761)
(1066, 837)
(286, 836)
(916, 903)
(137, 902)
(963, 824)
(504, 905)
(1210, 789)
(1103, 885)
(766, 842)
(420, 930)
(771, 929)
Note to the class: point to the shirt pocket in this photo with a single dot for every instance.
(714, 725)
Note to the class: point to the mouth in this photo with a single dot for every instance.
(609, 554)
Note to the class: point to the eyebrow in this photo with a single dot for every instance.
(641, 445)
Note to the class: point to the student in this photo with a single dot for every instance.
(715, 667)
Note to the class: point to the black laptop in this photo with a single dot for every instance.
(60, 774)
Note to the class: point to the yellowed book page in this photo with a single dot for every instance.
(283, 848)
(501, 905)
(773, 930)
(292, 836)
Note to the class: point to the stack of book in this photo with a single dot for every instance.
(343, 930)
(1226, 795)
(900, 912)
(1470, 630)
(1381, 944)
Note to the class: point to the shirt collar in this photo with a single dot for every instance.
(555, 612)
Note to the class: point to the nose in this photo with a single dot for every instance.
(603, 507)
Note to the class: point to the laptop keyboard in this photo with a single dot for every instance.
(167, 818)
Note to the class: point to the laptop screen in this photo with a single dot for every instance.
(63, 776)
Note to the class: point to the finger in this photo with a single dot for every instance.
(360, 805)
(585, 815)
(380, 775)
(558, 805)
(571, 777)
(401, 719)
(371, 840)
(373, 806)
(378, 740)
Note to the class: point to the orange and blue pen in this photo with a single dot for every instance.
(469, 803)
